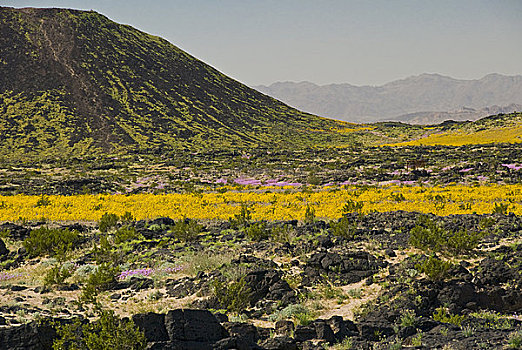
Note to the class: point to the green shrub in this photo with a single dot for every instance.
(234, 296)
(344, 228)
(43, 201)
(127, 218)
(57, 275)
(442, 314)
(242, 219)
(352, 207)
(515, 340)
(283, 234)
(109, 332)
(434, 268)
(186, 230)
(257, 231)
(500, 208)
(100, 279)
(126, 233)
(107, 221)
(408, 318)
(428, 236)
(105, 252)
(301, 314)
(462, 241)
(309, 216)
(45, 240)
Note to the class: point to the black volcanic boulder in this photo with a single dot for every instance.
(341, 269)
(269, 285)
(245, 331)
(193, 325)
(152, 325)
(30, 336)
(3, 250)
(279, 343)
(16, 232)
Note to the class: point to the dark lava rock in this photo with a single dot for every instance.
(193, 325)
(41, 289)
(245, 331)
(406, 332)
(324, 332)
(3, 250)
(30, 336)
(115, 296)
(375, 330)
(140, 283)
(16, 232)
(236, 343)
(162, 221)
(269, 285)
(182, 287)
(303, 333)
(342, 328)
(390, 252)
(350, 267)
(284, 327)
(153, 325)
(17, 288)
(76, 227)
(279, 343)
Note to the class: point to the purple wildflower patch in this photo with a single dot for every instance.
(148, 272)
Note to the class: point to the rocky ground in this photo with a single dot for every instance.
(279, 285)
(189, 172)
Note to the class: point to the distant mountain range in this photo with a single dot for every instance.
(427, 98)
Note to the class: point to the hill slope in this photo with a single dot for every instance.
(74, 81)
(423, 93)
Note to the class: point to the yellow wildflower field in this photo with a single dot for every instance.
(328, 203)
(497, 135)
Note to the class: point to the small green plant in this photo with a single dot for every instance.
(46, 240)
(408, 318)
(109, 332)
(105, 252)
(500, 208)
(309, 216)
(126, 233)
(299, 313)
(417, 340)
(515, 340)
(127, 218)
(346, 344)
(344, 228)
(43, 201)
(395, 346)
(442, 314)
(428, 236)
(107, 222)
(283, 234)
(59, 272)
(257, 231)
(352, 207)
(99, 280)
(468, 331)
(434, 268)
(242, 219)
(233, 296)
(186, 230)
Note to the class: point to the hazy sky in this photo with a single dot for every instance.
(368, 42)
